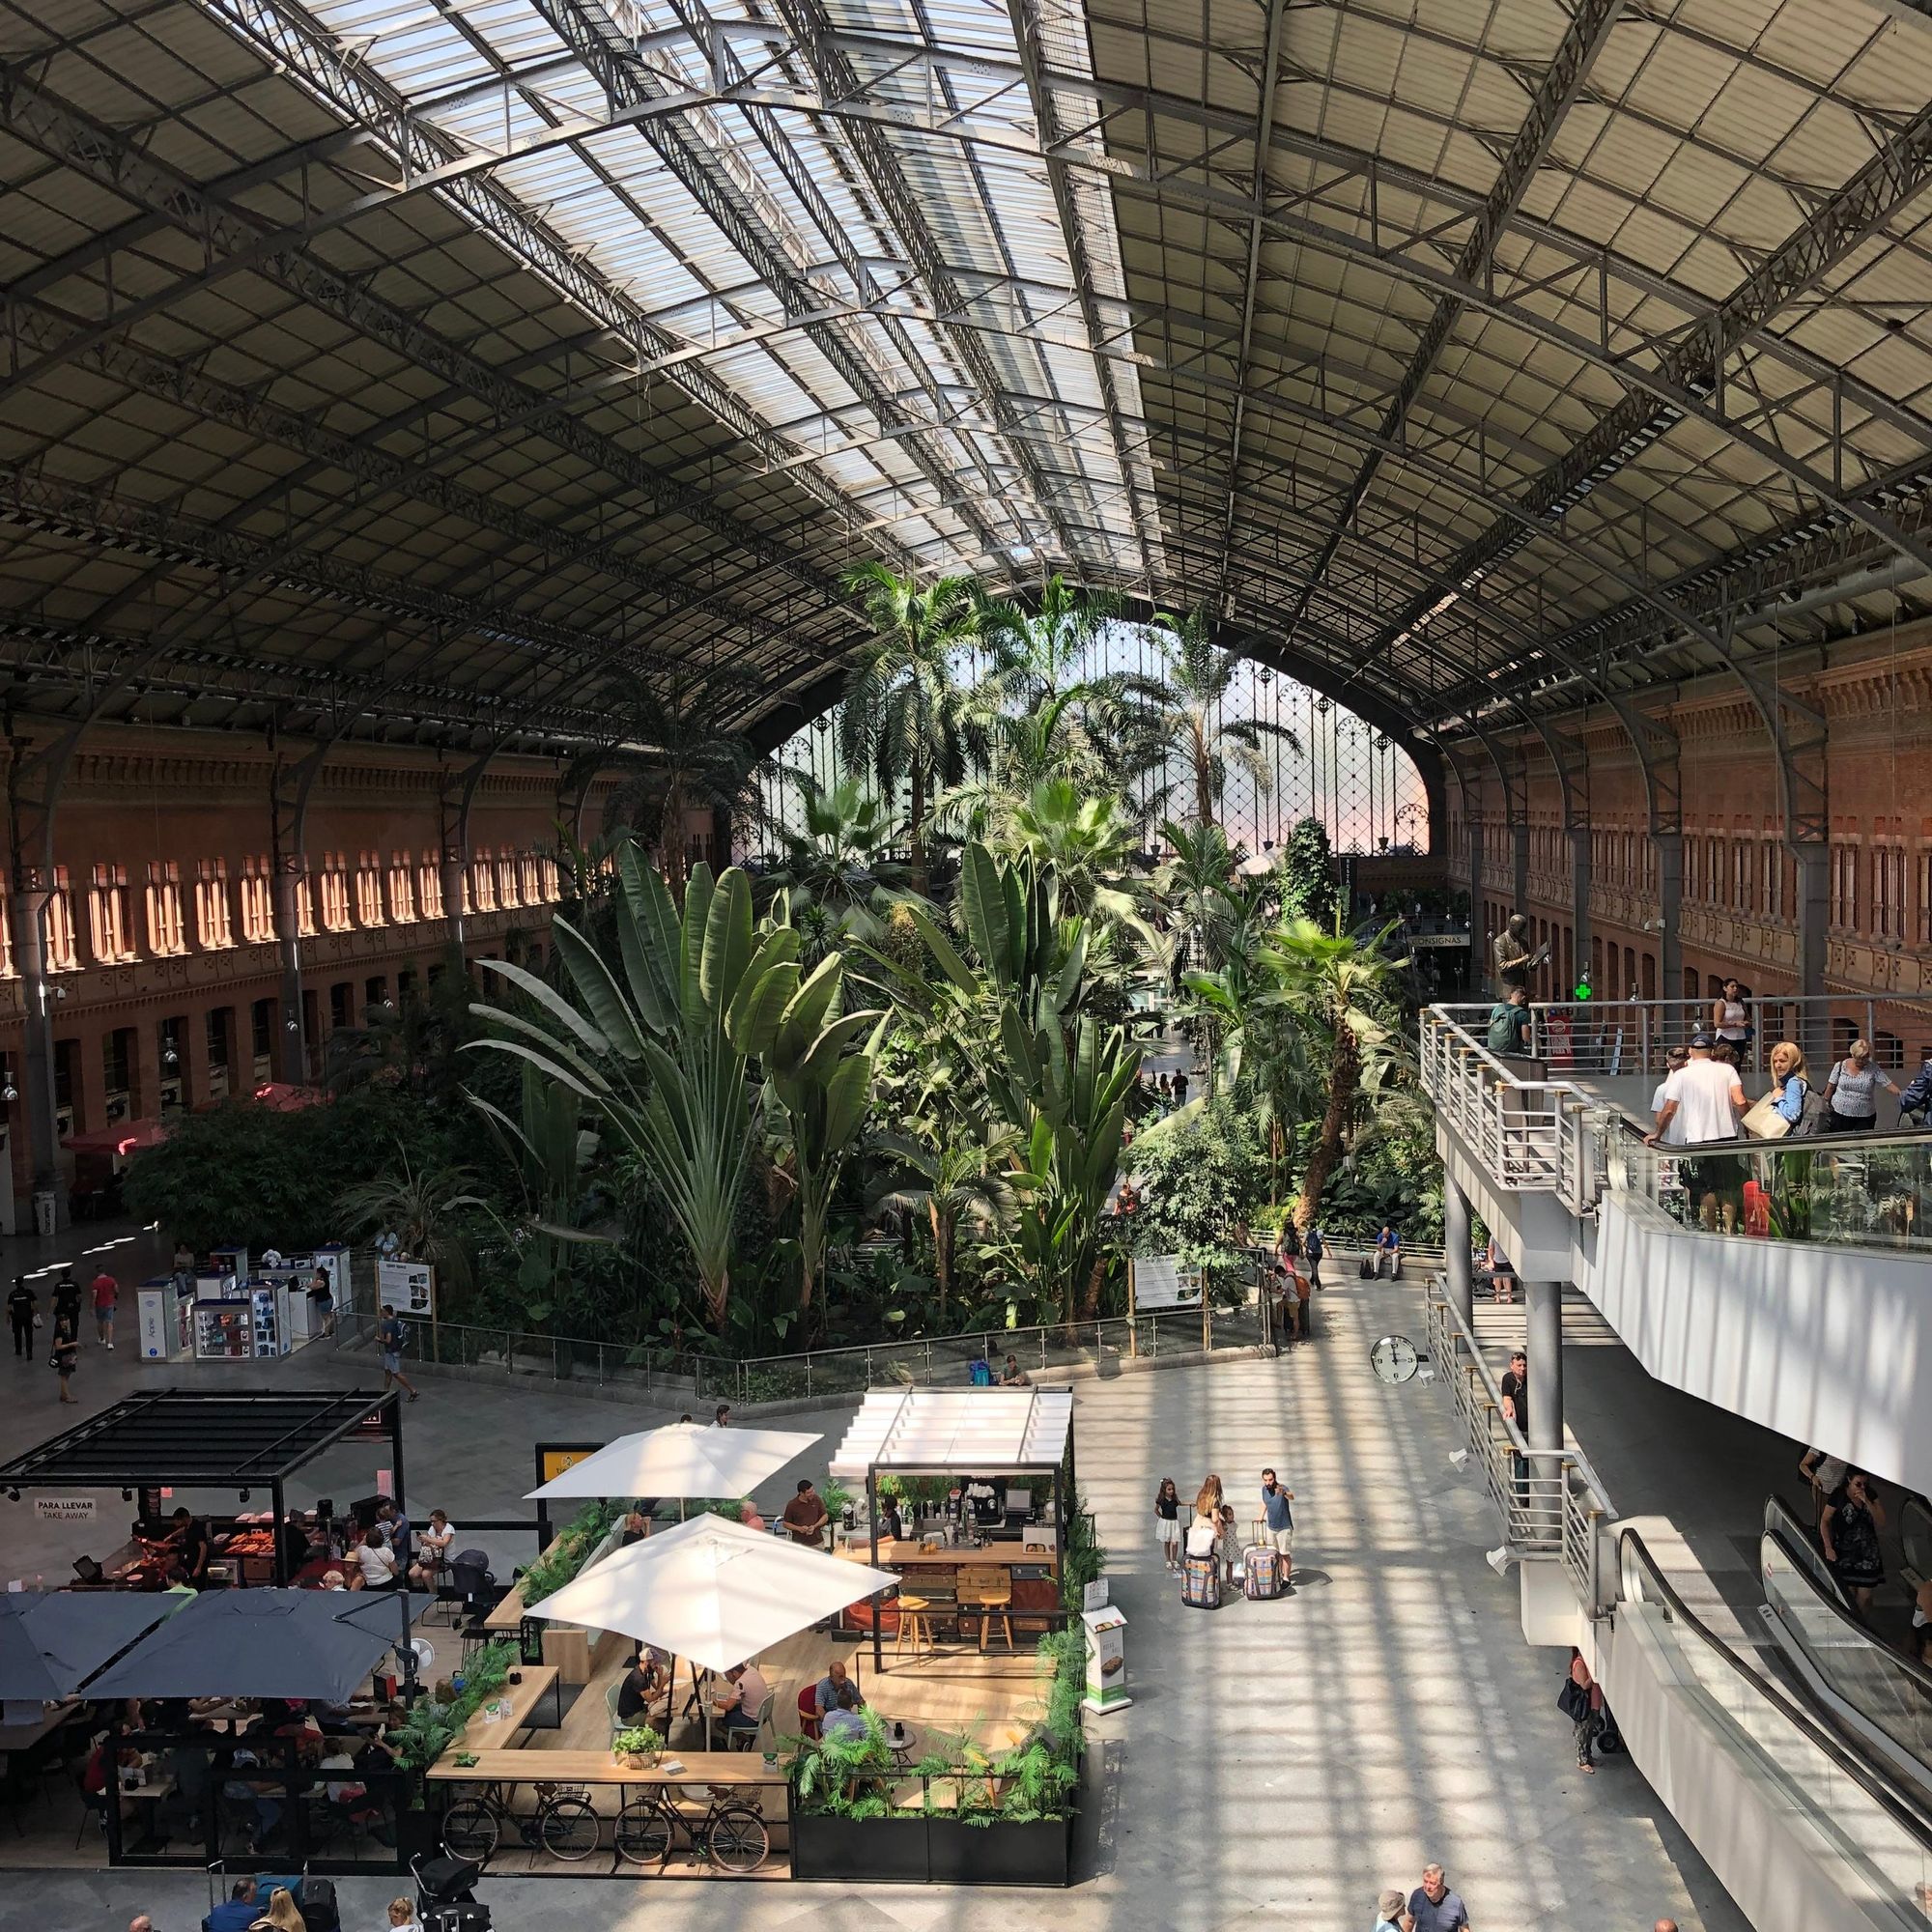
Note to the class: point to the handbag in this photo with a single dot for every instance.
(1764, 1122)
(1573, 1700)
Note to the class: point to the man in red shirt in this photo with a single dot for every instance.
(107, 1295)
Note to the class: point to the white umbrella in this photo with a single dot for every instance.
(712, 1591)
(682, 1459)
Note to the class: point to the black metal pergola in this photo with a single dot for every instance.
(211, 1439)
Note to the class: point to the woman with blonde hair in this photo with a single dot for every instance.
(403, 1916)
(281, 1914)
(1790, 1083)
(1850, 1091)
(1208, 1501)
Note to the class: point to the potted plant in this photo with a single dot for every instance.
(637, 1748)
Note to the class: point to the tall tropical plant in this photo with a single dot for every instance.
(947, 1176)
(840, 858)
(902, 712)
(661, 1047)
(1184, 710)
(426, 1208)
(1341, 984)
(819, 1093)
(1087, 844)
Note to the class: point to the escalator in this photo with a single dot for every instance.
(1880, 1700)
(1807, 1831)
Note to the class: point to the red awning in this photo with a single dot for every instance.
(122, 1137)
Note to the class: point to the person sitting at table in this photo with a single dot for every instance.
(636, 1526)
(375, 1563)
(431, 1550)
(646, 1683)
(740, 1708)
(805, 1516)
(845, 1718)
(892, 1524)
(831, 1686)
(333, 1580)
(748, 1515)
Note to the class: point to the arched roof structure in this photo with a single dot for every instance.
(417, 367)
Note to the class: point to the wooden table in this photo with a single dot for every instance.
(583, 1767)
(906, 1554)
(521, 1699)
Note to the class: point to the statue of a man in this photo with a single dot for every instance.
(1509, 956)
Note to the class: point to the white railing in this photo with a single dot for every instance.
(1635, 1036)
(1531, 1135)
(1549, 1501)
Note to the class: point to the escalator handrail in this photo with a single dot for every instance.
(1780, 1522)
(1909, 1666)
(1900, 1807)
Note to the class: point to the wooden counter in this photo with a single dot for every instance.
(479, 1734)
(590, 1766)
(906, 1554)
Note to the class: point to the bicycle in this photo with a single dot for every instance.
(563, 1824)
(732, 1833)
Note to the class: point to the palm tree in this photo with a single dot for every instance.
(839, 860)
(1184, 707)
(1341, 985)
(1039, 652)
(1088, 842)
(902, 716)
(682, 760)
(424, 1207)
(947, 1176)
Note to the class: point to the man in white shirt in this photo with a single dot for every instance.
(1703, 1102)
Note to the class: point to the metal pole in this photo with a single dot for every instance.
(280, 1569)
(878, 1605)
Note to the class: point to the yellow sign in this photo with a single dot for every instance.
(556, 1460)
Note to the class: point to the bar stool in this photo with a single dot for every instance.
(987, 1594)
(914, 1622)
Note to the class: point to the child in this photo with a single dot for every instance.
(1167, 1523)
(1230, 1543)
(65, 1359)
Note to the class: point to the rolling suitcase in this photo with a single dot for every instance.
(1261, 1571)
(1201, 1582)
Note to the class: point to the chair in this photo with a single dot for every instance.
(612, 1693)
(987, 1593)
(807, 1710)
(748, 1740)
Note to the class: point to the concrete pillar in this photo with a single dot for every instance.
(1456, 1250)
(90, 1056)
(36, 1081)
(1579, 906)
(1544, 1343)
(194, 1060)
(1670, 908)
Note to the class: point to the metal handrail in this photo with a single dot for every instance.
(1528, 1130)
(1648, 1574)
(1551, 1501)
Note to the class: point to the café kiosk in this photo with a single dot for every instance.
(984, 1569)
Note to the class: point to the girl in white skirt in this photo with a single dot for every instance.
(1167, 1523)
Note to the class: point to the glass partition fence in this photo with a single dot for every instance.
(1854, 1191)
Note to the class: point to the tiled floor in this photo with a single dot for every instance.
(1280, 1761)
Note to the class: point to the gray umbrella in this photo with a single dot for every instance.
(317, 1644)
(53, 1641)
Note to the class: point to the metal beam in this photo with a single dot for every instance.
(1555, 94)
(231, 237)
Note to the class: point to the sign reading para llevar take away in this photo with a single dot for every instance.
(64, 1509)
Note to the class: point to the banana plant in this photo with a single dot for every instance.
(660, 1048)
(818, 1095)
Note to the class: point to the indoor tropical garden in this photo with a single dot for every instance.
(881, 1080)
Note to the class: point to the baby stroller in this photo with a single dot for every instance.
(446, 1894)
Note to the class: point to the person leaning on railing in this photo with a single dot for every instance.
(1850, 1091)
(1709, 1101)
